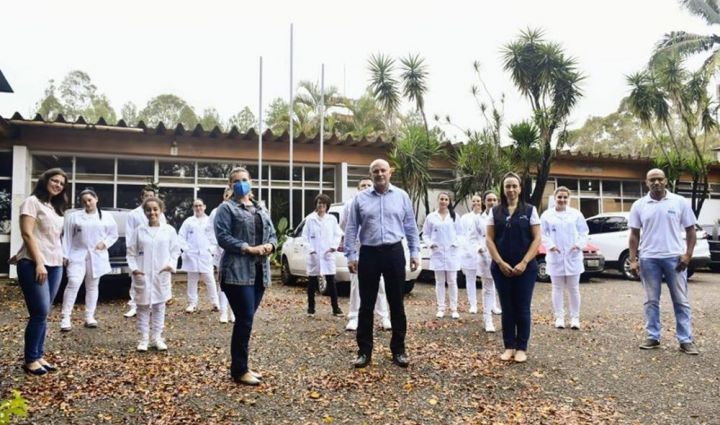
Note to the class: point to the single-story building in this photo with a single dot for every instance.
(118, 160)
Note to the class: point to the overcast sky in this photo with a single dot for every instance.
(207, 52)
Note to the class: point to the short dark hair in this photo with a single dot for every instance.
(363, 179)
(322, 199)
(147, 188)
(58, 202)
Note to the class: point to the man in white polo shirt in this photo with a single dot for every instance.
(663, 216)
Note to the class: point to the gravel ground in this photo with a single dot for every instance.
(596, 375)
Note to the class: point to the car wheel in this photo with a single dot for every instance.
(542, 275)
(625, 267)
(285, 276)
(409, 285)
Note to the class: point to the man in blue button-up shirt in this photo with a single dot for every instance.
(381, 217)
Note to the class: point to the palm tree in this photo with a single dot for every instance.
(550, 81)
(526, 151)
(685, 44)
(414, 80)
(647, 102)
(384, 86)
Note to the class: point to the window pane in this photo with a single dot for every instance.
(211, 171)
(178, 172)
(135, 167)
(312, 174)
(615, 224)
(40, 163)
(627, 204)
(309, 201)
(611, 188)
(589, 207)
(297, 206)
(5, 202)
(280, 206)
(611, 204)
(280, 173)
(329, 176)
(571, 184)
(95, 168)
(297, 173)
(589, 187)
(103, 191)
(6, 163)
(212, 196)
(178, 204)
(128, 195)
(632, 189)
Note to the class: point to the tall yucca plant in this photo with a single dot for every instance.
(383, 84)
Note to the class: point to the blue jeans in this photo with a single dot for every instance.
(652, 271)
(244, 301)
(38, 299)
(515, 299)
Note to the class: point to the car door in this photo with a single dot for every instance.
(610, 234)
(296, 253)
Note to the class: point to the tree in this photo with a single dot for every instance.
(170, 110)
(478, 164)
(366, 117)
(525, 152)
(210, 118)
(76, 96)
(549, 79)
(243, 120)
(411, 157)
(129, 114)
(383, 86)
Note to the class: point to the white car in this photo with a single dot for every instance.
(293, 258)
(610, 233)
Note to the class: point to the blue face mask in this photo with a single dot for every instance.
(241, 188)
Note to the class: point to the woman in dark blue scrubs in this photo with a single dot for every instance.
(513, 237)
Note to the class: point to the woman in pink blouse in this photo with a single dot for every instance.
(40, 261)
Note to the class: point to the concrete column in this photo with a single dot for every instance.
(20, 190)
(341, 182)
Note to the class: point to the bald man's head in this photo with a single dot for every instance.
(656, 183)
(380, 172)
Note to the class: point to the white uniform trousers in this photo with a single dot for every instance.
(471, 287)
(151, 321)
(449, 277)
(192, 288)
(91, 292)
(381, 304)
(571, 284)
(488, 291)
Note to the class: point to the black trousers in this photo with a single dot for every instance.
(387, 261)
(313, 286)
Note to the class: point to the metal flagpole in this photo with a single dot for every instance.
(260, 133)
(290, 130)
(322, 121)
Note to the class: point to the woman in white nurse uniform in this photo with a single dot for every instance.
(470, 258)
(87, 235)
(564, 235)
(152, 254)
(197, 258)
(442, 232)
(485, 260)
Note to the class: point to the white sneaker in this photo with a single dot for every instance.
(191, 309)
(131, 313)
(455, 315)
(489, 326)
(143, 345)
(224, 318)
(65, 324)
(575, 324)
(473, 310)
(159, 344)
(231, 316)
(386, 324)
(560, 323)
(352, 325)
(90, 322)
(440, 314)
(497, 310)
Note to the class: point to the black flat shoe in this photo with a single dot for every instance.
(37, 372)
(401, 360)
(361, 361)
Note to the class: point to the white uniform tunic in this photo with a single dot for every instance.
(321, 235)
(82, 233)
(484, 259)
(149, 250)
(445, 234)
(470, 241)
(563, 230)
(200, 244)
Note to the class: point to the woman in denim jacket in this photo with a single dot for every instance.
(244, 230)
